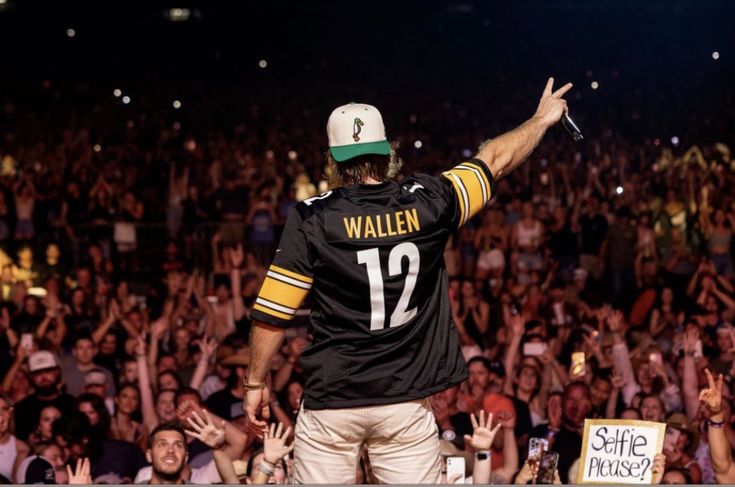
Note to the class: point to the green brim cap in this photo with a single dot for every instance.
(345, 152)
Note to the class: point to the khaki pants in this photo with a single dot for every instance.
(401, 439)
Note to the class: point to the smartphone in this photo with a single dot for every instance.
(26, 341)
(536, 447)
(655, 358)
(670, 438)
(547, 467)
(534, 349)
(578, 368)
(455, 468)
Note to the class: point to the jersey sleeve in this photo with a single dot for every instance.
(289, 278)
(473, 187)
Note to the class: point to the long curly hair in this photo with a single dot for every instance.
(360, 168)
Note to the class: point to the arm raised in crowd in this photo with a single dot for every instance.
(275, 450)
(621, 357)
(689, 383)
(719, 446)
(236, 260)
(147, 405)
(207, 347)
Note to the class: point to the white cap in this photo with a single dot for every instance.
(356, 129)
(41, 360)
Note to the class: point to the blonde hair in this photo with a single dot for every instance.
(360, 168)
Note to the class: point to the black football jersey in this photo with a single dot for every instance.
(372, 257)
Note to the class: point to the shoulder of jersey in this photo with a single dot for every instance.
(317, 204)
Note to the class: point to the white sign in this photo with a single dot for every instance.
(616, 451)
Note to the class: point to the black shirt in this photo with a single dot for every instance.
(594, 231)
(28, 412)
(220, 403)
(119, 457)
(373, 257)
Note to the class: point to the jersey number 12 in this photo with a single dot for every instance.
(371, 259)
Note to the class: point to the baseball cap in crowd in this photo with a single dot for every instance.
(41, 360)
(38, 471)
(95, 377)
(354, 130)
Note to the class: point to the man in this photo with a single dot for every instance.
(566, 424)
(384, 342)
(46, 379)
(75, 369)
(167, 454)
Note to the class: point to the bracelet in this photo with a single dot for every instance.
(483, 454)
(716, 424)
(252, 387)
(266, 468)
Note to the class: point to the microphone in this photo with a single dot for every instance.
(571, 128)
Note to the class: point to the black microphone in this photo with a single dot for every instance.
(571, 128)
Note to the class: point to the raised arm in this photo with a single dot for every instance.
(689, 383)
(207, 346)
(504, 153)
(150, 418)
(236, 260)
(719, 447)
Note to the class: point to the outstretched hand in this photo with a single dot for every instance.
(551, 106)
(274, 443)
(204, 429)
(482, 434)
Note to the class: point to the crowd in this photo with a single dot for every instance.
(131, 255)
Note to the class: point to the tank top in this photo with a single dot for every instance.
(529, 237)
(8, 453)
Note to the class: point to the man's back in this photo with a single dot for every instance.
(372, 255)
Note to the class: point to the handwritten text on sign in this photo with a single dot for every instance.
(619, 451)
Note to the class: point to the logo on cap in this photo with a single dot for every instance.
(356, 128)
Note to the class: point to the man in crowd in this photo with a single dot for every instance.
(46, 379)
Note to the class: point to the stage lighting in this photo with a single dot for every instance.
(619, 190)
(117, 93)
(418, 144)
(177, 104)
(178, 14)
(595, 85)
(715, 55)
(126, 99)
(292, 155)
(262, 63)
(674, 140)
(70, 33)
(96, 147)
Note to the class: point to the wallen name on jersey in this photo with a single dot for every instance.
(402, 222)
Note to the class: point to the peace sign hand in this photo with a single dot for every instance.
(711, 397)
(551, 106)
